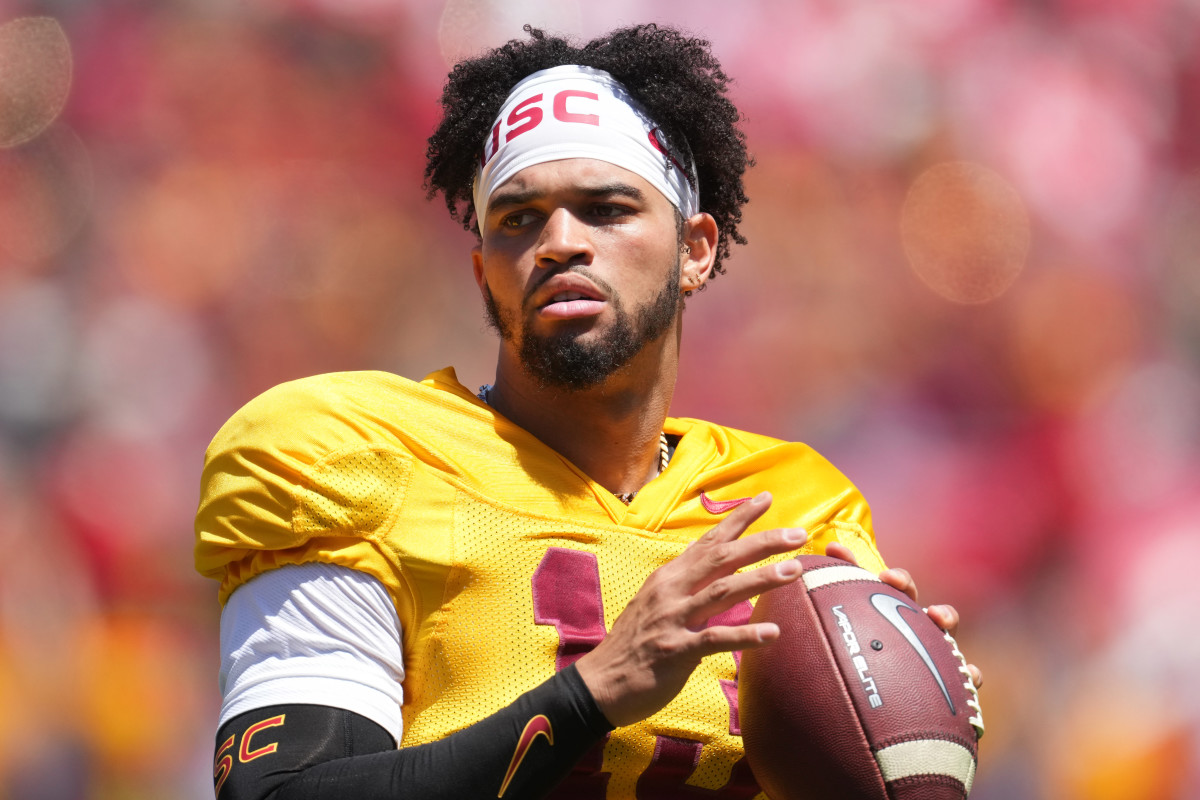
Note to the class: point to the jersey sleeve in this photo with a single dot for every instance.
(295, 477)
(811, 492)
(845, 516)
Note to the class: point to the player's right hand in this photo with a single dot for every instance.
(660, 637)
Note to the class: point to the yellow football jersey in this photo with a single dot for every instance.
(504, 560)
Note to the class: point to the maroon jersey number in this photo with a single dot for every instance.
(566, 594)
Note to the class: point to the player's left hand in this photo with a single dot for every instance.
(945, 616)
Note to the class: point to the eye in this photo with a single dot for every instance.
(610, 210)
(517, 220)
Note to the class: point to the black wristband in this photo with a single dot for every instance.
(521, 752)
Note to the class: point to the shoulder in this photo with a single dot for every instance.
(731, 440)
(792, 464)
(339, 438)
(311, 418)
(311, 410)
(808, 489)
(733, 446)
(317, 457)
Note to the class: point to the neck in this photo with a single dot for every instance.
(611, 431)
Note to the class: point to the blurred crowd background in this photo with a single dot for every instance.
(971, 282)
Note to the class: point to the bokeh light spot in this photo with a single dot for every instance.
(35, 77)
(965, 231)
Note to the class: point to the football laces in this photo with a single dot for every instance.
(976, 719)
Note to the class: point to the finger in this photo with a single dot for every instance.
(839, 550)
(945, 616)
(900, 579)
(716, 557)
(724, 638)
(736, 522)
(976, 675)
(726, 592)
(716, 561)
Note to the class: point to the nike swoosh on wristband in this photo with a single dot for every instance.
(538, 726)
(890, 608)
(720, 506)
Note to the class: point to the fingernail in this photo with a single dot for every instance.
(767, 631)
(762, 497)
(795, 535)
(788, 569)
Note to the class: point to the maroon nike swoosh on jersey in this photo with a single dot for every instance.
(538, 726)
(720, 506)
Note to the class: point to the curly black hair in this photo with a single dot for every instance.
(675, 78)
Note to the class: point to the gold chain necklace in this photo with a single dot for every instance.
(664, 456)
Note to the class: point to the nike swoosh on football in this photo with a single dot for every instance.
(538, 726)
(890, 608)
(720, 506)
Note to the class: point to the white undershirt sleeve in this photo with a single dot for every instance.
(313, 633)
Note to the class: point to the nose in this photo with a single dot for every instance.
(564, 239)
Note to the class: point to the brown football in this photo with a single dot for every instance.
(862, 696)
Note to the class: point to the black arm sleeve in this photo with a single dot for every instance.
(313, 752)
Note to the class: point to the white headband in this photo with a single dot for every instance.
(579, 112)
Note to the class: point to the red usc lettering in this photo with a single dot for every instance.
(245, 753)
(483, 156)
(529, 113)
(529, 118)
(560, 107)
(222, 765)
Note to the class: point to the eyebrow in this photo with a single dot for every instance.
(507, 198)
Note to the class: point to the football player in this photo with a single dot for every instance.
(541, 587)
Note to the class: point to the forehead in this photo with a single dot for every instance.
(580, 176)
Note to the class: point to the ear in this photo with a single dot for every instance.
(699, 252)
(477, 267)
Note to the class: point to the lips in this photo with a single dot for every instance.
(563, 297)
(568, 296)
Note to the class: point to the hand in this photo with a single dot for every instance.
(660, 637)
(946, 617)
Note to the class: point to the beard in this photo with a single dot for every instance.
(563, 361)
